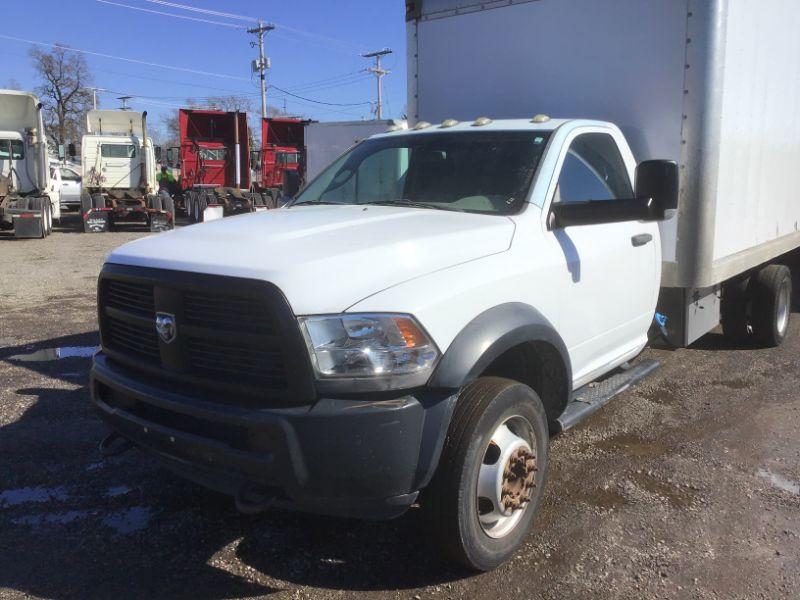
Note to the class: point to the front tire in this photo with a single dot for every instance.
(491, 476)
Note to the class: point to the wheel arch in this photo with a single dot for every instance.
(511, 340)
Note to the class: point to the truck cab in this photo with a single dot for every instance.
(28, 201)
(490, 266)
(119, 169)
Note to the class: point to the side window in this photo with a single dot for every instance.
(593, 170)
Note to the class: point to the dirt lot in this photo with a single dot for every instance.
(686, 487)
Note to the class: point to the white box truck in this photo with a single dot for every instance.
(708, 84)
(325, 142)
(29, 202)
(439, 300)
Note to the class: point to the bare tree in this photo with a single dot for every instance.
(64, 91)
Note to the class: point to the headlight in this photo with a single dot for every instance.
(367, 345)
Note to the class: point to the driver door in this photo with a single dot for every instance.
(611, 270)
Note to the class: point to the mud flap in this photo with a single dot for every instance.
(28, 226)
(96, 221)
(212, 213)
(160, 222)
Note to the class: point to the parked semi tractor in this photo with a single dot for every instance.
(280, 163)
(119, 169)
(214, 164)
(28, 201)
(440, 300)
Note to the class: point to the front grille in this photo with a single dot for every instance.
(236, 338)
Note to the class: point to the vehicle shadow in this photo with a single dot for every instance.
(73, 524)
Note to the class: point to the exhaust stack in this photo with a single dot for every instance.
(237, 177)
(145, 159)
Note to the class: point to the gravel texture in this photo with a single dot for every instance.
(687, 486)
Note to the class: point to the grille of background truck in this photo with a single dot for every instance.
(228, 346)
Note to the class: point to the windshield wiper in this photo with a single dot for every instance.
(313, 202)
(414, 204)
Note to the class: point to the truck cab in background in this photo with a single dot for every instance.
(28, 201)
(215, 165)
(279, 166)
(119, 174)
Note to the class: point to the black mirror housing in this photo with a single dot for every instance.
(291, 183)
(71, 150)
(658, 180)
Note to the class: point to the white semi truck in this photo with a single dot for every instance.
(28, 201)
(439, 300)
(119, 174)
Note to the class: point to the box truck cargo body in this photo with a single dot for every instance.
(710, 84)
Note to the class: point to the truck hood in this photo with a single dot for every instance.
(325, 258)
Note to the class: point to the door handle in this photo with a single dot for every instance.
(641, 239)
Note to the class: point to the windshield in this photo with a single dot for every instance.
(287, 158)
(212, 153)
(118, 151)
(483, 172)
(13, 147)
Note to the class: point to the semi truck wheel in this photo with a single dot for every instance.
(734, 310)
(491, 476)
(771, 291)
(48, 214)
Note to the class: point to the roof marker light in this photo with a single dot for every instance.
(422, 125)
(481, 121)
(540, 119)
(448, 123)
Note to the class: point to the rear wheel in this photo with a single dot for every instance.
(48, 211)
(491, 476)
(771, 291)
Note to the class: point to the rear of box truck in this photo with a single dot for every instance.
(710, 84)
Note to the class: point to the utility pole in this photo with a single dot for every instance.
(379, 73)
(261, 63)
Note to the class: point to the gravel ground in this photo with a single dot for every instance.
(685, 487)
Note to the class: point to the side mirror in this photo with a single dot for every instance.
(71, 150)
(170, 155)
(656, 200)
(61, 152)
(658, 181)
(157, 151)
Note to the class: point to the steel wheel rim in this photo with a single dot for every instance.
(783, 308)
(512, 439)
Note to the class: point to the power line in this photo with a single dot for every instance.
(204, 11)
(166, 14)
(122, 58)
(288, 93)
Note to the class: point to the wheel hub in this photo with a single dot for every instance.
(518, 480)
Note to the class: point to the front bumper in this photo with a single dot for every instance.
(358, 458)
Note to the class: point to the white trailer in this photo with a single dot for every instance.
(710, 84)
(28, 200)
(327, 141)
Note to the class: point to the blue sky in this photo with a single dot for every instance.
(314, 50)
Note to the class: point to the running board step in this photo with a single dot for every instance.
(591, 397)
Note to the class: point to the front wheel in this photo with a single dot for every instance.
(491, 476)
(772, 304)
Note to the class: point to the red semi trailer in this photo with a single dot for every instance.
(215, 165)
(280, 163)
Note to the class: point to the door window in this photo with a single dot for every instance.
(593, 170)
(69, 175)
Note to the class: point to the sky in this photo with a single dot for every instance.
(314, 50)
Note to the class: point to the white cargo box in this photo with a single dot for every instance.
(711, 84)
(325, 142)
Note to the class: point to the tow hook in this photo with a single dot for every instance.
(252, 499)
(114, 444)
